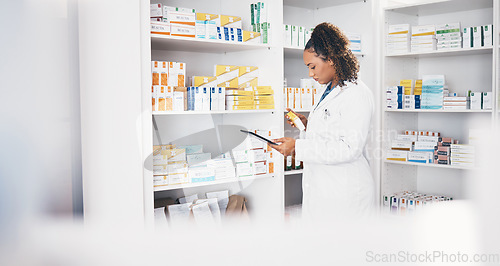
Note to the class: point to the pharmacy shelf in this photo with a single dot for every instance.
(450, 52)
(299, 110)
(210, 183)
(436, 111)
(213, 112)
(435, 7)
(430, 165)
(315, 4)
(185, 44)
(296, 52)
(294, 172)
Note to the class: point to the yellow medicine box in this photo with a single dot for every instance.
(204, 81)
(206, 16)
(248, 71)
(250, 36)
(247, 82)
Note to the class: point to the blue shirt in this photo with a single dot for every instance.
(327, 91)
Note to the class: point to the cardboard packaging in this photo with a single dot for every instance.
(156, 10)
(162, 28)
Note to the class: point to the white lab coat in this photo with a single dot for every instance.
(337, 182)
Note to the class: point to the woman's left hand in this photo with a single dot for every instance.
(287, 146)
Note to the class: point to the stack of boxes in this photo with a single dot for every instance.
(296, 36)
(480, 100)
(454, 102)
(305, 97)
(437, 37)
(174, 21)
(434, 96)
(414, 146)
(189, 164)
(398, 39)
(430, 147)
(169, 166)
(449, 36)
(168, 86)
(254, 157)
(206, 26)
(432, 91)
(423, 38)
(355, 40)
(263, 97)
(185, 22)
(231, 88)
(410, 100)
(239, 99)
(394, 97)
(407, 202)
(462, 155)
(478, 36)
(259, 20)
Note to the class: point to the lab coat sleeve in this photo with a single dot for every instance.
(343, 143)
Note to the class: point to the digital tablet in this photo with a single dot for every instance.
(259, 137)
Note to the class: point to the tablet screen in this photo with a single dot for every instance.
(259, 137)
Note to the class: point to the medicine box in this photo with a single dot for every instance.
(294, 36)
(156, 10)
(401, 145)
(487, 35)
(248, 71)
(201, 174)
(181, 18)
(418, 157)
(477, 36)
(476, 100)
(229, 21)
(397, 155)
(201, 29)
(467, 37)
(287, 35)
(487, 100)
(206, 16)
(244, 169)
(198, 159)
(424, 146)
(162, 28)
(203, 81)
(260, 168)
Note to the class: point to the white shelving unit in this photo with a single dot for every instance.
(211, 183)
(175, 43)
(430, 165)
(263, 192)
(464, 69)
(437, 111)
(269, 111)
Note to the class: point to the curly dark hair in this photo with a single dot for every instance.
(329, 43)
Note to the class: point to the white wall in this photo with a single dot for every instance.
(110, 73)
(40, 170)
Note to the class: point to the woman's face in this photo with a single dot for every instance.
(321, 71)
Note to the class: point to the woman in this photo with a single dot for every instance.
(337, 182)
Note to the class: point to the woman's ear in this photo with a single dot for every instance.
(330, 62)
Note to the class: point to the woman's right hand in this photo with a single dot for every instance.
(302, 118)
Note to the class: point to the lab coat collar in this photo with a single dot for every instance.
(336, 91)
